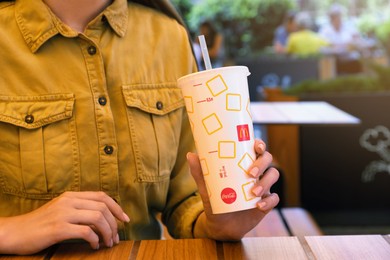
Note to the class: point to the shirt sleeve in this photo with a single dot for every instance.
(184, 202)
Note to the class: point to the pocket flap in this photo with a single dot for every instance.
(35, 111)
(158, 99)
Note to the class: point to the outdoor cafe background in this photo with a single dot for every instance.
(343, 170)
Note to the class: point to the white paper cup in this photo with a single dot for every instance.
(218, 107)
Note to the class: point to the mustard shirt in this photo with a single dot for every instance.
(305, 43)
(97, 111)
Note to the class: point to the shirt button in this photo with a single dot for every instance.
(92, 50)
(102, 101)
(29, 119)
(159, 105)
(108, 149)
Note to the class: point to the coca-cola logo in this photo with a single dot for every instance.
(228, 195)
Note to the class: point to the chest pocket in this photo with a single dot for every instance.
(154, 118)
(39, 155)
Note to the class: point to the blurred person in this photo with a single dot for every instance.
(283, 31)
(337, 32)
(345, 42)
(95, 139)
(304, 42)
(215, 45)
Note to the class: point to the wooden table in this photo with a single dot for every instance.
(280, 120)
(300, 113)
(355, 247)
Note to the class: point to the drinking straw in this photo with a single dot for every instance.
(205, 52)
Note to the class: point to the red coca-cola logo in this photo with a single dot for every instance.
(228, 195)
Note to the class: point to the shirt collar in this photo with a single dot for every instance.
(38, 24)
(116, 15)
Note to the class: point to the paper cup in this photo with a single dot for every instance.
(218, 107)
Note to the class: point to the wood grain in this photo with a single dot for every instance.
(349, 247)
(265, 248)
(18, 257)
(179, 249)
(83, 251)
(45, 254)
(309, 247)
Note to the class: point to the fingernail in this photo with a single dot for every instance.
(97, 247)
(262, 204)
(261, 146)
(257, 190)
(127, 219)
(116, 239)
(254, 172)
(111, 243)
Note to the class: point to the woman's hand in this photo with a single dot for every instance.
(233, 226)
(73, 215)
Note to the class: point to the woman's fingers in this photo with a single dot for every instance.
(99, 222)
(100, 196)
(96, 210)
(269, 178)
(267, 175)
(102, 213)
(90, 216)
(260, 165)
(76, 231)
(263, 159)
(268, 202)
(260, 146)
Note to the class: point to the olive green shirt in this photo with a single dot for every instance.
(97, 111)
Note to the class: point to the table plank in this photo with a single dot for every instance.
(349, 247)
(21, 257)
(177, 249)
(83, 251)
(264, 248)
(387, 237)
(44, 254)
(300, 222)
(329, 113)
(301, 112)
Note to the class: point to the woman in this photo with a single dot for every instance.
(94, 130)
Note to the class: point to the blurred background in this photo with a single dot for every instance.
(307, 50)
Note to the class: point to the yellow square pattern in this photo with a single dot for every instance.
(227, 149)
(233, 102)
(216, 85)
(205, 168)
(212, 124)
(247, 190)
(245, 162)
